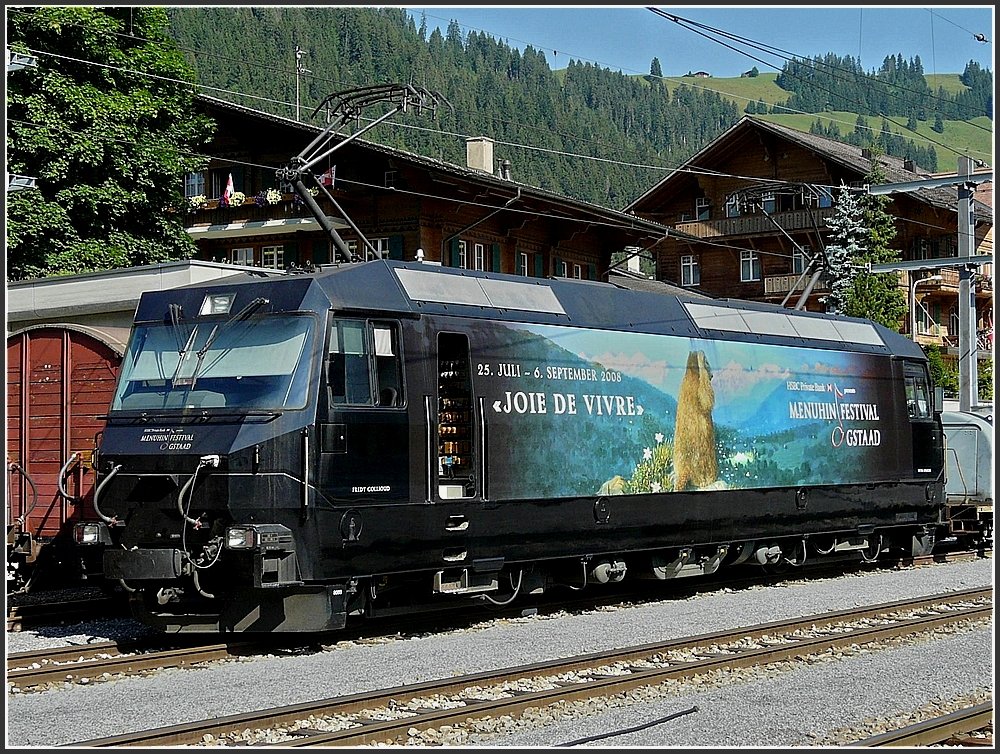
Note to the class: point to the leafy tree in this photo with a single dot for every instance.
(944, 373)
(106, 124)
(984, 380)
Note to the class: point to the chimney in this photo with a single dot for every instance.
(479, 153)
(908, 165)
(505, 169)
(633, 260)
(866, 153)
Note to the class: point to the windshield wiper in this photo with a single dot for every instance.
(241, 315)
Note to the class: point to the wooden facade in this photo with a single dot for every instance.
(759, 193)
(405, 205)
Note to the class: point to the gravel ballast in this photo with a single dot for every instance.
(782, 708)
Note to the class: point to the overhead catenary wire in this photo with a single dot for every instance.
(512, 144)
(680, 21)
(578, 138)
(438, 131)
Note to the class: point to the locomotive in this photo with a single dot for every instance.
(283, 454)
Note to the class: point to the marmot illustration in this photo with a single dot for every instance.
(694, 434)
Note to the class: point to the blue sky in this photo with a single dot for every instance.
(627, 38)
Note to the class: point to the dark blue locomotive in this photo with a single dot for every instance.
(283, 453)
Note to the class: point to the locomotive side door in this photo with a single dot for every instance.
(454, 443)
(364, 450)
(928, 440)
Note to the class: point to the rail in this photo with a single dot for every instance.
(397, 713)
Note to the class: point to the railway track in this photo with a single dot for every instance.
(397, 715)
(20, 617)
(950, 730)
(28, 670)
(39, 670)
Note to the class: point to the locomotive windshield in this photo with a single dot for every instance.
(254, 363)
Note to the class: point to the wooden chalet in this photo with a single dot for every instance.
(406, 205)
(756, 201)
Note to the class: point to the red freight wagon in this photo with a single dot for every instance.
(60, 380)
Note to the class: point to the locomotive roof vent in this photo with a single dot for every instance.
(777, 323)
(476, 291)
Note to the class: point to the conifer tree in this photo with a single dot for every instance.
(877, 296)
(848, 243)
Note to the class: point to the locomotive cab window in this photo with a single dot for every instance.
(364, 366)
(918, 402)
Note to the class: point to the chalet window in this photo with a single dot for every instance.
(703, 208)
(194, 185)
(922, 249)
(273, 257)
(381, 245)
(463, 261)
(562, 269)
(799, 257)
(825, 197)
(480, 256)
(733, 207)
(767, 201)
(242, 256)
(577, 271)
(690, 270)
(390, 178)
(352, 246)
(749, 266)
(522, 263)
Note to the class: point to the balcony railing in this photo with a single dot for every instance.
(802, 219)
(778, 284)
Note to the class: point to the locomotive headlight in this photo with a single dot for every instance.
(241, 538)
(217, 303)
(91, 533)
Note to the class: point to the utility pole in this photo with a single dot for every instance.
(968, 366)
(299, 70)
(966, 181)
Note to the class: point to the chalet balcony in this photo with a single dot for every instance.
(778, 285)
(750, 225)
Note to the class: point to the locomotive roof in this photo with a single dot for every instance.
(411, 289)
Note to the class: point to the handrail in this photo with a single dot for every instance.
(15, 466)
(60, 480)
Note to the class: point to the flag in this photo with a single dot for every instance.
(328, 177)
(228, 193)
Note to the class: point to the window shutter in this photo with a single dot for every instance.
(591, 272)
(396, 247)
(518, 266)
(291, 254)
(321, 251)
(539, 266)
(453, 243)
(495, 248)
